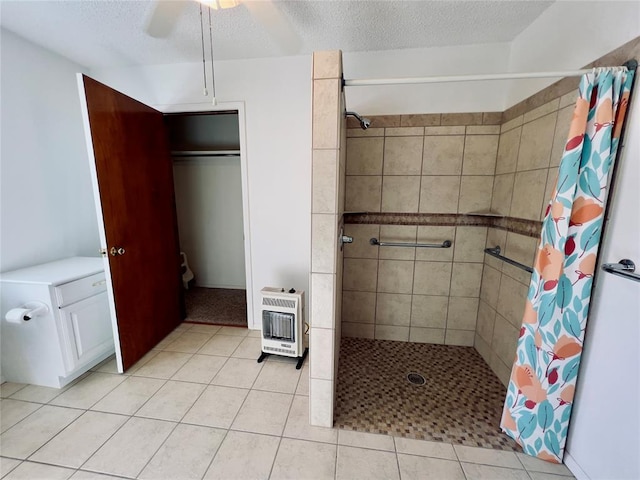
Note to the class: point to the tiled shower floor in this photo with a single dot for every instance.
(461, 402)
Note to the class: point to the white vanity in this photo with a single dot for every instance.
(74, 332)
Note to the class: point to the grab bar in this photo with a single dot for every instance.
(624, 268)
(445, 244)
(495, 252)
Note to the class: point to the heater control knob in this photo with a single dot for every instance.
(292, 290)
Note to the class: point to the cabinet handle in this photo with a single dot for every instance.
(116, 251)
(97, 284)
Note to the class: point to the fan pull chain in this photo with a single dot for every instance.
(204, 65)
(213, 78)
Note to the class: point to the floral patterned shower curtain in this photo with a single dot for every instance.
(540, 393)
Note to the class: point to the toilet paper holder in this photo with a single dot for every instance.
(31, 309)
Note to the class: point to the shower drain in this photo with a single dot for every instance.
(416, 379)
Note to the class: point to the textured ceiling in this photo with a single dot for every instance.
(97, 33)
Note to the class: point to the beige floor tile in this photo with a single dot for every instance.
(474, 471)
(298, 459)
(223, 345)
(549, 476)
(303, 382)
(359, 463)
(129, 396)
(163, 365)
(366, 440)
(234, 331)
(250, 348)
(172, 401)
(244, 455)
(277, 377)
(27, 436)
(89, 391)
(7, 464)
(298, 424)
(487, 456)
(255, 333)
(263, 412)
(83, 475)
(38, 394)
(13, 411)
(200, 369)
(76, 443)
(425, 468)
(186, 454)
(533, 464)
(142, 362)
(203, 328)
(129, 450)
(9, 388)
(110, 366)
(216, 407)
(189, 342)
(35, 471)
(172, 337)
(425, 448)
(237, 372)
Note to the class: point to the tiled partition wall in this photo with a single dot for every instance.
(410, 164)
(327, 206)
(531, 145)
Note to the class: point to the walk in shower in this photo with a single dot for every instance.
(445, 213)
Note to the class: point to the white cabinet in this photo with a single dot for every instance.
(73, 336)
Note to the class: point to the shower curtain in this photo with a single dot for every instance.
(542, 384)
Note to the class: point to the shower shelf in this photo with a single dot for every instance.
(495, 252)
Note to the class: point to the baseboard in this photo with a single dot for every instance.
(572, 465)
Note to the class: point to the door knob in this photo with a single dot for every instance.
(116, 251)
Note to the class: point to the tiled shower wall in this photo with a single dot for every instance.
(327, 206)
(417, 164)
(529, 153)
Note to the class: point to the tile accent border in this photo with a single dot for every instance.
(529, 228)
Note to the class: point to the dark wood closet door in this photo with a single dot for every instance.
(135, 180)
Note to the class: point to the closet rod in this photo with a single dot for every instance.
(472, 78)
(205, 153)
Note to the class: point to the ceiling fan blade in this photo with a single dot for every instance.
(276, 24)
(163, 17)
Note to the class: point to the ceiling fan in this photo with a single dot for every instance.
(164, 16)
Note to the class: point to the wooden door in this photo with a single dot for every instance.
(133, 179)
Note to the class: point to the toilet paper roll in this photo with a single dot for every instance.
(17, 315)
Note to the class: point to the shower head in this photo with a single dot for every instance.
(364, 122)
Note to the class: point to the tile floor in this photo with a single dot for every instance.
(460, 403)
(200, 407)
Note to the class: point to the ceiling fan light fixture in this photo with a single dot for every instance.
(220, 4)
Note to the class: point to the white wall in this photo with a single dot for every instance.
(46, 202)
(421, 62)
(567, 36)
(209, 208)
(277, 96)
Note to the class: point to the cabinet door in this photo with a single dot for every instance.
(87, 326)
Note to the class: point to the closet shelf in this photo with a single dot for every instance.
(205, 153)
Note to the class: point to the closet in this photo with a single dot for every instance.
(205, 150)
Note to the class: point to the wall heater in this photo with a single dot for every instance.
(283, 324)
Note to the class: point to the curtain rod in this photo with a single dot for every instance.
(474, 78)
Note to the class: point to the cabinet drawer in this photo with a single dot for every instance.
(78, 289)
